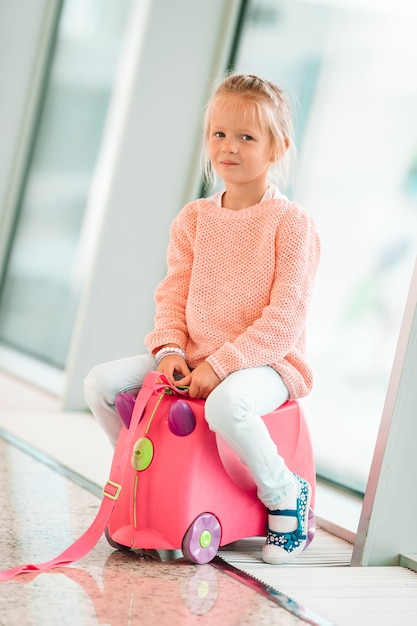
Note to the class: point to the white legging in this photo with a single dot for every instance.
(232, 410)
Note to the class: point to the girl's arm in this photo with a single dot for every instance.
(171, 294)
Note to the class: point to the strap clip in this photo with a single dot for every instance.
(115, 495)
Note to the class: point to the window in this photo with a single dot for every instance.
(349, 68)
(42, 282)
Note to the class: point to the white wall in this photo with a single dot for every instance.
(148, 169)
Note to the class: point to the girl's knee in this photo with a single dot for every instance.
(96, 383)
(224, 409)
(108, 379)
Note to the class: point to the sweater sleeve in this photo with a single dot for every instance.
(279, 330)
(171, 294)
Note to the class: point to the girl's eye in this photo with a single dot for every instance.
(219, 134)
(247, 137)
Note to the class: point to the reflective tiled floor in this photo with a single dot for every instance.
(51, 464)
(42, 512)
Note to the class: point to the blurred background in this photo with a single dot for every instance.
(101, 110)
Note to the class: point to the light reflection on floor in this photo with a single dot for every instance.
(42, 512)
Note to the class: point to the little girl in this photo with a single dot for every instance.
(231, 312)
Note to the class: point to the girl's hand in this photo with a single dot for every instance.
(172, 364)
(200, 381)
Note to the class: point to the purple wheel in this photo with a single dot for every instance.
(311, 527)
(202, 539)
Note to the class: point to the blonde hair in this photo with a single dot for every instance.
(272, 109)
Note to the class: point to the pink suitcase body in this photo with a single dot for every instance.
(190, 491)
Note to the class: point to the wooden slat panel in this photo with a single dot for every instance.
(323, 580)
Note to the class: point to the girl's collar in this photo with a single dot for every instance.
(272, 192)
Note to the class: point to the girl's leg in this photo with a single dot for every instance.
(234, 409)
(105, 381)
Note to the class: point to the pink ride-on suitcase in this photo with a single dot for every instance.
(173, 485)
(186, 489)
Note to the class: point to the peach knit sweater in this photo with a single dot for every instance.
(238, 287)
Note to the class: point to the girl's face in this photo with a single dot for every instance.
(239, 148)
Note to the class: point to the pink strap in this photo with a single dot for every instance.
(82, 546)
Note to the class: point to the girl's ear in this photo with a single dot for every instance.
(279, 153)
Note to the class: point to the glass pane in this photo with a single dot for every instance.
(351, 70)
(41, 289)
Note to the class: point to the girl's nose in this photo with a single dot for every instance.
(229, 144)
